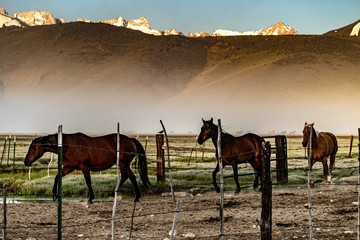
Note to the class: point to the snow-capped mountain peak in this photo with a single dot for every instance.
(277, 29)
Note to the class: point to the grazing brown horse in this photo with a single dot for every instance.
(324, 144)
(234, 150)
(81, 152)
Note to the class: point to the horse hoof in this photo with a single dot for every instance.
(237, 192)
(256, 189)
(89, 202)
(217, 189)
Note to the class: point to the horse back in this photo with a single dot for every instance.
(329, 142)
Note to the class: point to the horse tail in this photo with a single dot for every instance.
(333, 153)
(142, 164)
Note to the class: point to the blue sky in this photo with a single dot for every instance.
(305, 16)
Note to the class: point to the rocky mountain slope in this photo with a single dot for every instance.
(349, 30)
(257, 83)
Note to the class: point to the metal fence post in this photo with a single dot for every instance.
(4, 203)
(60, 146)
(168, 157)
(309, 184)
(221, 181)
(118, 181)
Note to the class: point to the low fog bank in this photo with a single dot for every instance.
(43, 114)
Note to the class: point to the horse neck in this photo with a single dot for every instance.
(51, 147)
(314, 140)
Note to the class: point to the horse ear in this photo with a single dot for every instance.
(312, 124)
(203, 120)
(211, 120)
(306, 123)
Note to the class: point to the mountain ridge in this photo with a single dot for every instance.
(36, 18)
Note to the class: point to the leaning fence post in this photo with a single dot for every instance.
(221, 181)
(175, 217)
(350, 148)
(60, 152)
(309, 183)
(118, 180)
(168, 157)
(266, 186)
(4, 204)
(3, 152)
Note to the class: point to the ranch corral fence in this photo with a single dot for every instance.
(180, 211)
(279, 150)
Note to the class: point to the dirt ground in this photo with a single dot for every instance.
(334, 214)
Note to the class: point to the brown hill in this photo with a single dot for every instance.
(259, 83)
(344, 31)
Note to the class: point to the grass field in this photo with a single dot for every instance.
(189, 170)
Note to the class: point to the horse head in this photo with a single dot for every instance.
(208, 130)
(306, 133)
(38, 147)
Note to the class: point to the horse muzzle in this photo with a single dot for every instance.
(304, 144)
(27, 163)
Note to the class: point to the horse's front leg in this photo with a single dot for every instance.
(236, 178)
(311, 165)
(65, 171)
(217, 189)
(327, 175)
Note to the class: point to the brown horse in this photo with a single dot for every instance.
(81, 152)
(324, 144)
(234, 150)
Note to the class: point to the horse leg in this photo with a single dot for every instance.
(326, 171)
(256, 181)
(87, 177)
(134, 183)
(236, 178)
(311, 165)
(65, 171)
(217, 189)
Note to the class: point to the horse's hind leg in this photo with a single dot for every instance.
(327, 175)
(87, 177)
(236, 178)
(134, 183)
(217, 189)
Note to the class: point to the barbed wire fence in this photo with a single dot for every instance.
(38, 226)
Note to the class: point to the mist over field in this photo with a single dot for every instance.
(88, 77)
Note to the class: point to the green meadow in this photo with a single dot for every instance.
(190, 170)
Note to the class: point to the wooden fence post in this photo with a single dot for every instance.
(160, 160)
(266, 186)
(9, 151)
(280, 158)
(350, 147)
(4, 149)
